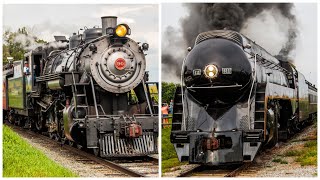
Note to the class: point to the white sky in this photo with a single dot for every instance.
(306, 14)
(48, 20)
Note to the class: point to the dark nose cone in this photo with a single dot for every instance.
(234, 69)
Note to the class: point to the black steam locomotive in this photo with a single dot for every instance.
(236, 98)
(92, 93)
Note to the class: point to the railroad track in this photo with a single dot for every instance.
(214, 171)
(129, 167)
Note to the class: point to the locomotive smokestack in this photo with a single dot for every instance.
(108, 22)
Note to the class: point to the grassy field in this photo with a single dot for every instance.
(169, 156)
(20, 159)
(305, 154)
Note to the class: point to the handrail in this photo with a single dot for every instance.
(182, 95)
(147, 96)
(253, 82)
(94, 97)
(215, 87)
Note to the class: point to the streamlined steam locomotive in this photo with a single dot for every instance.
(236, 98)
(92, 94)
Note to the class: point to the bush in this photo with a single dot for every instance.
(168, 90)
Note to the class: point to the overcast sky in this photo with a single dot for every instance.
(306, 14)
(48, 20)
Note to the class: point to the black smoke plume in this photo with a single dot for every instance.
(233, 16)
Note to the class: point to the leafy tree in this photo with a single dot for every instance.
(14, 48)
(168, 90)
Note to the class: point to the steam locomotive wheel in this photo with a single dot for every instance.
(64, 140)
(71, 143)
(57, 137)
(79, 146)
(52, 135)
(39, 123)
(20, 122)
(5, 116)
(11, 118)
(96, 151)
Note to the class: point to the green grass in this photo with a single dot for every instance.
(279, 160)
(169, 156)
(292, 153)
(20, 159)
(276, 160)
(307, 155)
(310, 144)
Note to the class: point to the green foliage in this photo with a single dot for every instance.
(279, 160)
(20, 159)
(153, 93)
(168, 90)
(284, 162)
(292, 153)
(307, 155)
(12, 47)
(310, 144)
(167, 164)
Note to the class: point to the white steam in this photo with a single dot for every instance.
(28, 42)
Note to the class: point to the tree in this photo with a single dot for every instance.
(168, 90)
(15, 44)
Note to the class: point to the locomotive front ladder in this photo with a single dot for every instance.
(177, 114)
(260, 106)
(80, 98)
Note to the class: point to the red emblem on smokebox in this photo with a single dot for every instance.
(120, 64)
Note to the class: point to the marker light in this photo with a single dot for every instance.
(210, 68)
(121, 30)
(211, 71)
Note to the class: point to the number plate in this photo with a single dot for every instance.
(226, 70)
(196, 72)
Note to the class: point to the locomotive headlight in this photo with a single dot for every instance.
(211, 71)
(122, 30)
